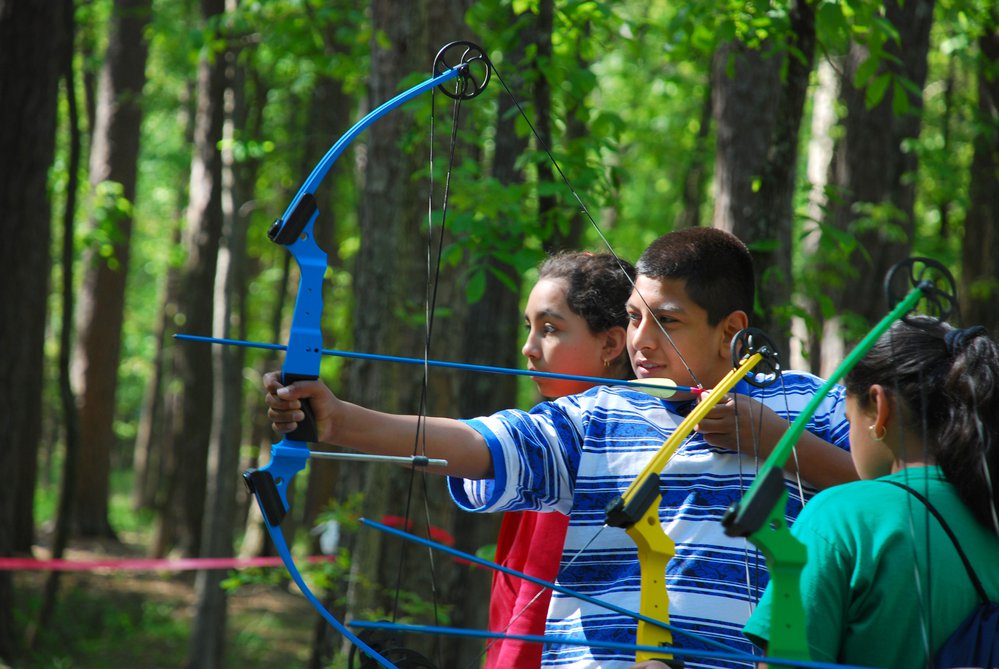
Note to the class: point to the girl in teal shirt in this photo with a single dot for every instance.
(883, 585)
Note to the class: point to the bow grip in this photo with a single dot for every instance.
(306, 430)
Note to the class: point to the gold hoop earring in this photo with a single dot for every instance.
(607, 364)
(873, 429)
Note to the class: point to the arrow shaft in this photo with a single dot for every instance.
(487, 369)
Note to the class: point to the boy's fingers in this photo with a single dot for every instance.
(285, 421)
(298, 390)
(272, 381)
(276, 401)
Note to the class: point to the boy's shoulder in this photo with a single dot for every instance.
(801, 383)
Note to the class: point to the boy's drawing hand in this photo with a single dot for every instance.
(284, 404)
(719, 425)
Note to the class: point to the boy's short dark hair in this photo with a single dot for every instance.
(716, 265)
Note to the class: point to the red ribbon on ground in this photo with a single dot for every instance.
(145, 564)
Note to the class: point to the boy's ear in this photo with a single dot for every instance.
(730, 326)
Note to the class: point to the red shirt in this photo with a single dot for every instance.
(532, 543)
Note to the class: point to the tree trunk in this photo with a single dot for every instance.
(186, 478)
(872, 169)
(813, 356)
(208, 638)
(770, 230)
(391, 286)
(980, 248)
(71, 418)
(757, 156)
(470, 333)
(539, 34)
(113, 169)
(331, 110)
(33, 39)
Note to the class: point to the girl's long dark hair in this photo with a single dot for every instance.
(946, 381)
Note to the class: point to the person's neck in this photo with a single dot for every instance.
(913, 463)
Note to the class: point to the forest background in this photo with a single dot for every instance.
(147, 146)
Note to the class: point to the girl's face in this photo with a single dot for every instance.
(560, 341)
(871, 457)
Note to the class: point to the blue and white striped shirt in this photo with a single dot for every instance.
(576, 454)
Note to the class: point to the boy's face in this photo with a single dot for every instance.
(704, 348)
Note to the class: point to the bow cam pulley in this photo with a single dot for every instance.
(391, 648)
(476, 69)
(935, 281)
(750, 341)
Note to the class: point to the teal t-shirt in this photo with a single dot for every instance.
(871, 596)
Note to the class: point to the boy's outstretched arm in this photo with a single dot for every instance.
(349, 425)
(822, 464)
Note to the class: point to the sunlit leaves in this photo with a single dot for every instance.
(109, 209)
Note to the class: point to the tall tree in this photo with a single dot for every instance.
(492, 323)
(208, 640)
(980, 251)
(391, 285)
(33, 35)
(883, 79)
(114, 157)
(759, 95)
(67, 397)
(180, 517)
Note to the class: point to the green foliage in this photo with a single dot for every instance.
(633, 75)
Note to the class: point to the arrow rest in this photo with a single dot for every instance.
(932, 278)
(749, 341)
(476, 69)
